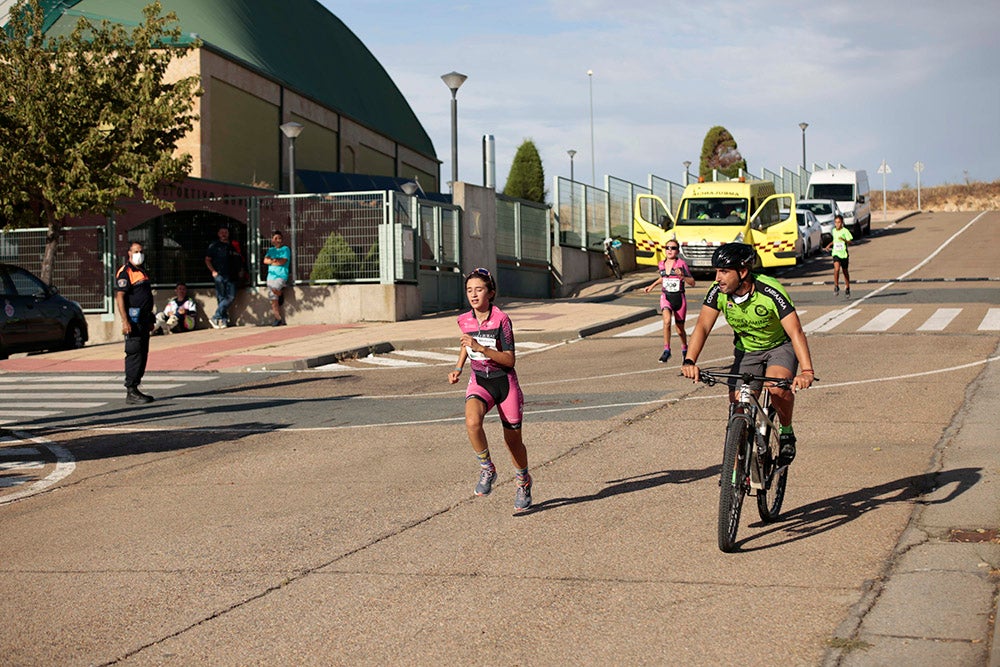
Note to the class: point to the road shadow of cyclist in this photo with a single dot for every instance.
(829, 513)
(629, 485)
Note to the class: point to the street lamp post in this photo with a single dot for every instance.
(687, 171)
(593, 160)
(454, 81)
(291, 129)
(572, 154)
(803, 126)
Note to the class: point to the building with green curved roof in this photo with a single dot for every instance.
(263, 63)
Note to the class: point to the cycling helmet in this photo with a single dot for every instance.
(735, 256)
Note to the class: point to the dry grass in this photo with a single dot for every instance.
(973, 196)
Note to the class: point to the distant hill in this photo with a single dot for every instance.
(974, 196)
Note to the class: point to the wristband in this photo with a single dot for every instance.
(687, 362)
(807, 370)
(458, 369)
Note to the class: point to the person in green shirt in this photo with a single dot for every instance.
(842, 238)
(768, 335)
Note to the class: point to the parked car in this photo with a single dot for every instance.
(34, 317)
(809, 231)
(824, 210)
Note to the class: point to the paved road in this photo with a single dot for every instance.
(326, 516)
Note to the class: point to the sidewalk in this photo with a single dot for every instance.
(297, 347)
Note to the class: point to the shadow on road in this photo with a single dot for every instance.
(830, 513)
(629, 485)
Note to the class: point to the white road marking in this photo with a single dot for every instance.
(532, 345)
(884, 320)
(941, 318)
(992, 320)
(646, 329)
(425, 354)
(114, 379)
(61, 404)
(388, 361)
(64, 465)
(15, 395)
(830, 320)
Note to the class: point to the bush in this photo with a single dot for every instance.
(336, 261)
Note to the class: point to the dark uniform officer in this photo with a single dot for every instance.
(134, 296)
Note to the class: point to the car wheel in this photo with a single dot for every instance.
(74, 336)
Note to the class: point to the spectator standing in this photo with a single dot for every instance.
(179, 313)
(842, 238)
(277, 260)
(134, 298)
(225, 263)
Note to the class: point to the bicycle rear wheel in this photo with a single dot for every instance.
(769, 499)
(615, 267)
(733, 484)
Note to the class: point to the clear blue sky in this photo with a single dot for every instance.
(894, 80)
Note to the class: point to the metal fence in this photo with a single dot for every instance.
(82, 270)
(524, 250)
(668, 191)
(581, 214)
(621, 198)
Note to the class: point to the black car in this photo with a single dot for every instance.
(33, 316)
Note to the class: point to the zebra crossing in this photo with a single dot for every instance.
(24, 397)
(872, 320)
(414, 358)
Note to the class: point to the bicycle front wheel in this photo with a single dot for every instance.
(769, 498)
(733, 484)
(615, 267)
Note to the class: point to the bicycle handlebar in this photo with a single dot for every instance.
(710, 377)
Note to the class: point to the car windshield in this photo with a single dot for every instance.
(713, 211)
(818, 208)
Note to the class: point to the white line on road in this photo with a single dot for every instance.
(57, 405)
(425, 354)
(992, 320)
(65, 464)
(941, 318)
(830, 320)
(884, 320)
(14, 395)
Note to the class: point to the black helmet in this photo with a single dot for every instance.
(735, 256)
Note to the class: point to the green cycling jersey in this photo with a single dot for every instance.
(756, 322)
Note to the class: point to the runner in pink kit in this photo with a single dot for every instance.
(488, 342)
(675, 274)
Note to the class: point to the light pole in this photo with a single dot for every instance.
(291, 129)
(687, 171)
(572, 154)
(454, 81)
(593, 161)
(803, 126)
(918, 167)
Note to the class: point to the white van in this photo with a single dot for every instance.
(849, 188)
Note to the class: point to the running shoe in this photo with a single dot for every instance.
(216, 324)
(522, 497)
(836, 290)
(665, 356)
(847, 293)
(787, 452)
(486, 478)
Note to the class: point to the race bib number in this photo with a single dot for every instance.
(672, 284)
(485, 341)
(839, 246)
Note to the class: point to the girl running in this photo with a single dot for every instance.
(674, 275)
(488, 342)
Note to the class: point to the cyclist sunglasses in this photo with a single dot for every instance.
(480, 272)
(673, 247)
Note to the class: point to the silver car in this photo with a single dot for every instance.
(824, 210)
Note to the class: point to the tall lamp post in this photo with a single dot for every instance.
(454, 81)
(803, 126)
(572, 154)
(593, 161)
(291, 129)
(687, 171)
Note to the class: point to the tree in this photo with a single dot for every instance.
(526, 179)
(719, 152)
(335, 260)
(86, 119)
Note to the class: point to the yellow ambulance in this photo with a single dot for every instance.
(711, 214)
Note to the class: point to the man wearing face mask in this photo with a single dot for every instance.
(134, 298)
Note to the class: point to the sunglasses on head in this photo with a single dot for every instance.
(480, 272)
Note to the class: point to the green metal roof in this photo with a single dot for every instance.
(297, 42)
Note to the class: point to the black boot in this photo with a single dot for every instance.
(134, 396)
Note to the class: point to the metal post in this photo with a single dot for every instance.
(291, 129)
(454, 81)
(803, 126)
(593, 160)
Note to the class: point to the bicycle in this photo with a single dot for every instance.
(749, 459)
(610, 245)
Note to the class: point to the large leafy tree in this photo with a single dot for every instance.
(719, 151)
(526, 179)
(86, 118)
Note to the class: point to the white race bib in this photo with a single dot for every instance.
(839, 246)
(485, 341)
(672, 284)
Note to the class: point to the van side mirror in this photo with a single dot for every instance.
(861, 199)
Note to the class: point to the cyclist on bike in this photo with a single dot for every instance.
(768, 335)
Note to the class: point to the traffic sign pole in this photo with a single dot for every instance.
(918, 167)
